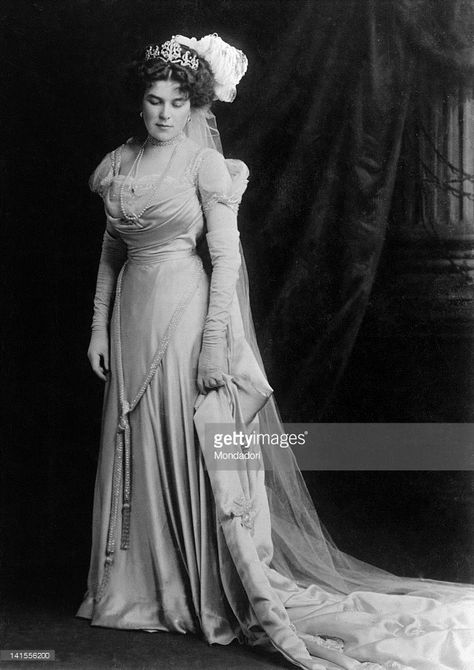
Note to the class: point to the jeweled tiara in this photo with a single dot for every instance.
(172, 52)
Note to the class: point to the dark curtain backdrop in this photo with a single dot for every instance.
(335, 108)
(319, 119)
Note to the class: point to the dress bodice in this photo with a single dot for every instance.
(173, 201)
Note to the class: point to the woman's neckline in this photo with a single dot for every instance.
(182, 140)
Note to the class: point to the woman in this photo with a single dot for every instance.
(181, 542)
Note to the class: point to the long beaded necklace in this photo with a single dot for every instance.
(133, 217)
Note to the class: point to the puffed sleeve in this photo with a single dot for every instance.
(221, 181)
(113, 253)
(100, 179)
(221, 185)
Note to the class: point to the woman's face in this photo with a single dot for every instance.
(165, 109)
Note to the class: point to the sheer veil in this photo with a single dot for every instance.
(302, 548)
(202, 128)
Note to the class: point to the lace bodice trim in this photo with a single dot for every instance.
(219, 192)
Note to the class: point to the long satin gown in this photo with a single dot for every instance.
(176, 547)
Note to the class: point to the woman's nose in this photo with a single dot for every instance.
(164, 113)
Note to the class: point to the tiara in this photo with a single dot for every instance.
(171, 52)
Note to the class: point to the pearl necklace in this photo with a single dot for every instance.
(133, 217)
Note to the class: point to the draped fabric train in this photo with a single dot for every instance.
(231, 554)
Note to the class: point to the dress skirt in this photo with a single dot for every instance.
(170, 577)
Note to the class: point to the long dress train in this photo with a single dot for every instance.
(180, 544)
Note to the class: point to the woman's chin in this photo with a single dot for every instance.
(162, 134)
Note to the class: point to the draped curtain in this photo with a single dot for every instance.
(323, 142)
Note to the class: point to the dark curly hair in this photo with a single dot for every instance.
(197, 85)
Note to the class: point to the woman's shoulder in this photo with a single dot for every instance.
(193, 154)
(214, 167)
(212, 159)
(102, 172)
(123, 151)
(193, 150)
(222, 180)
(110, 164)
(129, 148)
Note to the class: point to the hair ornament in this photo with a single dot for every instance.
(171, 52)
(227, 63)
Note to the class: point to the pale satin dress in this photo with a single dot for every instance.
(196, 559)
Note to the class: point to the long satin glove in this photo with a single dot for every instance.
(111, 260)
(112, 257)
(223, 242)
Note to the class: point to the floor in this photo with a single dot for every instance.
(422, 532)
(39, 614)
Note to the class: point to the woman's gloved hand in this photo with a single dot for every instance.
(212, 364)
(98, 353)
